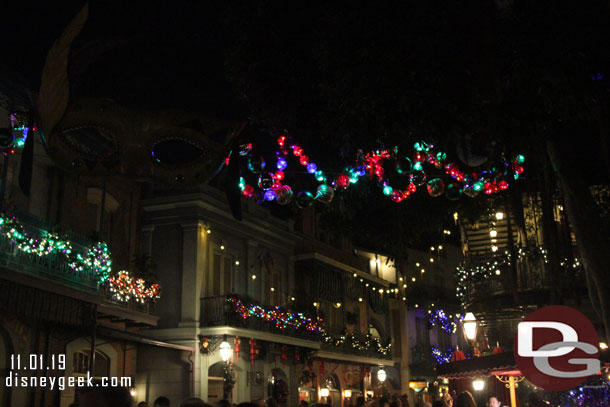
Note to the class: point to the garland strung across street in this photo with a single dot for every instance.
(426, 169)
(283, 319)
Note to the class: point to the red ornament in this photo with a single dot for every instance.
(248, 191)
(304, 160)
(237, 341)
(421, 157)
(296, 150)
(281, 140)
(503, 185)
(412, 188)
(343, 181)
(279, 175)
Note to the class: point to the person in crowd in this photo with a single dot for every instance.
(224, 403)
(142, 404)
(404, 400)
(247, 404)
(303, 403)
(437, 403)
(465, 399)
(360, 401)
(104, 397)
(161, 402)
(447, 400)
(427, 404)
(194, 402)
(494, 401)
(384, 402)
(272, 403)
(260, 403)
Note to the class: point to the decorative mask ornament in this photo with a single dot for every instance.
(101, 137)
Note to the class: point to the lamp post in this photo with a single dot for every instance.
(381, 375)
(225, 350)
(470, 329)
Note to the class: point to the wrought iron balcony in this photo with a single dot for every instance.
(55, 266)
(485, 278)
(219, 311)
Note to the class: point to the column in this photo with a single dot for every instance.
(193, 257)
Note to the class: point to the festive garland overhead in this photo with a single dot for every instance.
(416, 172)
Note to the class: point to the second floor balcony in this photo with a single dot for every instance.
(236, 312)
(35, 253)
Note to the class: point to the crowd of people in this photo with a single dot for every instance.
(120, 397)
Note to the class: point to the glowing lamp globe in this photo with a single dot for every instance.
(347, 393)
(470, 326)
(225, 351)
(381, 375)
(478, 385)
(324, 392)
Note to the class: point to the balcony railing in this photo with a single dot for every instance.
(20, 255)
(531, 276)
(219, 311)
(54, 266)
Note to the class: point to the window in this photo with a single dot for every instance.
(220, 281)
(80, 363)
(421, 328)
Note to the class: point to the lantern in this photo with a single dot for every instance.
(470, 326)
(381, 375)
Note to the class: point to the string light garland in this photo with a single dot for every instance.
(437, 315)
(441, 357)
(284, 319)
(449, 179)
(281, 318)
(125, 287)
(97, 259)
(467, 273)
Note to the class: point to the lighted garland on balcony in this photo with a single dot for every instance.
(97, 259)
(438, 316)
(494, 268)
(442, 357)
(126, 287)
(369, 344)
(450, 180)
(279, 317)
(283, 319)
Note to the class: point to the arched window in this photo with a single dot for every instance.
(80, 363)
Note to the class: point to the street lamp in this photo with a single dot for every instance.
(478, 385)
(470, 326)
(347, 393)
(225, 350)
(324, 392)
(381, 375)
